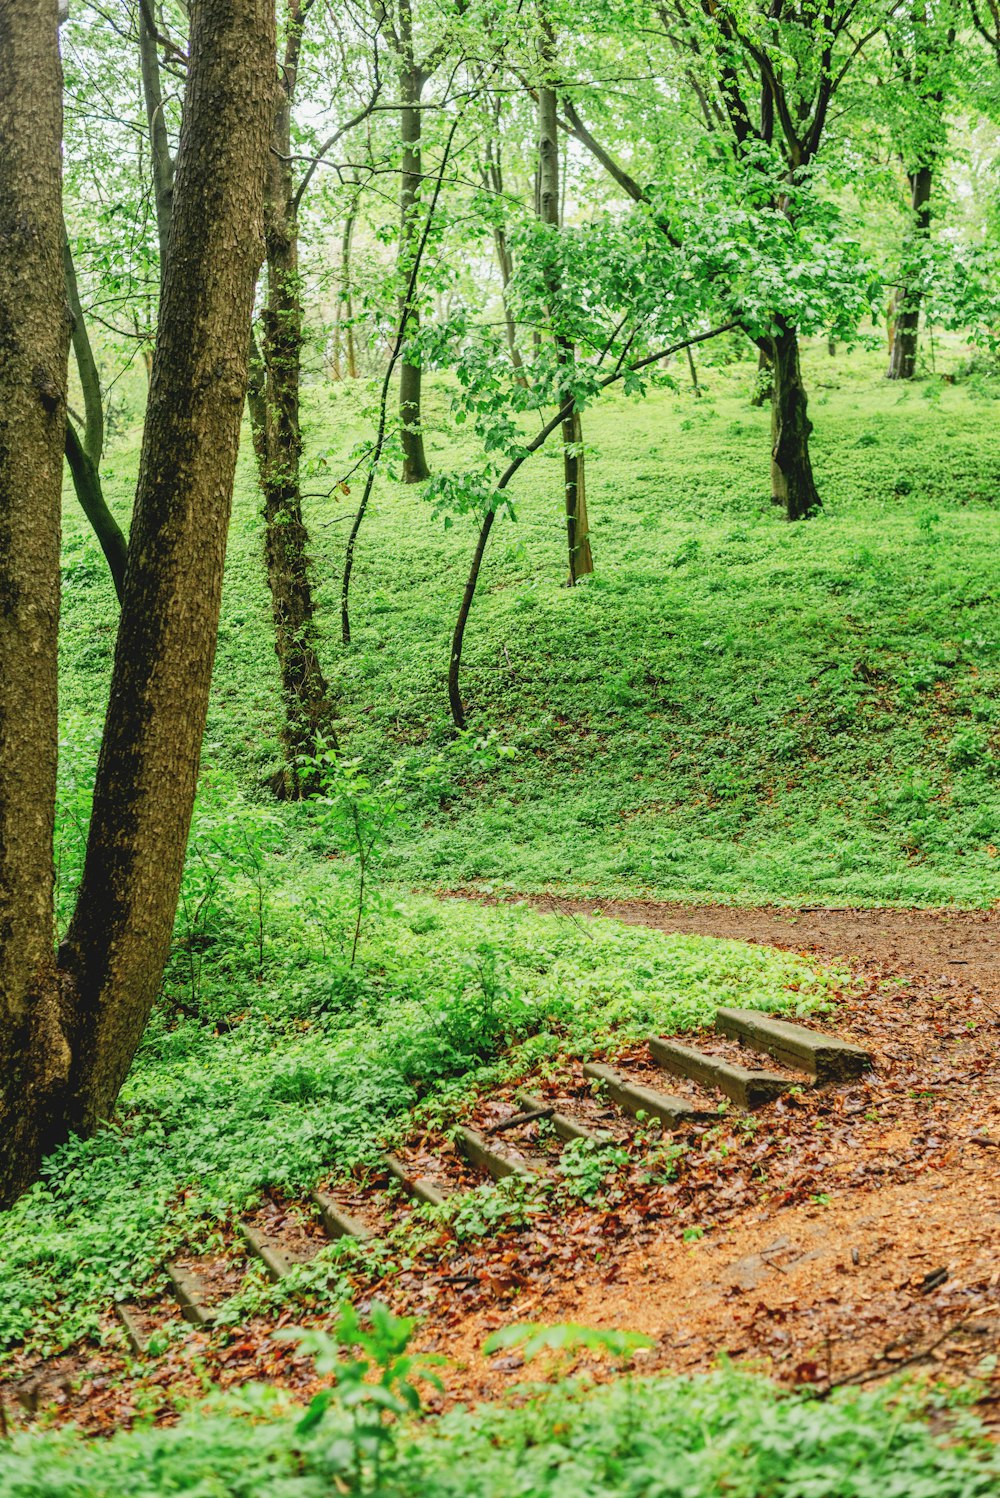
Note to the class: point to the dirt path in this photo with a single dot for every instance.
(960, 945)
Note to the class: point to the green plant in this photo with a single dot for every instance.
(374, 1391)
(586, 1164)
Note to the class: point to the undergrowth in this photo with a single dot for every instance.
(732, 707)
(637, 1438)
(278, 1053)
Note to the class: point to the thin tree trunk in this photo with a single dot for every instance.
(579, 555)
(347, 293)
(119, 936)
(792, 483)
(411, 86)
(86, 478)
(159, 140)
(277, 434)
(84, 456)
(493, 180)
(905, 335)
(34, 353)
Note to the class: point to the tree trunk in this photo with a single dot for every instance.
(84, 457)
(580, 557)
(159, 140)
(86, 478)
(411, 86)
(493, 181)
(119, 936)
(277, 434)
(903, 351)
(792, 483)
(34, 354)
(347, 294)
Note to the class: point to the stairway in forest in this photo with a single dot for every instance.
(600, 1110)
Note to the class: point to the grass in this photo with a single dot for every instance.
(664, 1438)
(731, 708)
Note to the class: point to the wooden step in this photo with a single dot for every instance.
(566, 1128)
(635, 1099)
(134, 1334)
(751, 1089)
(191, 1294)
(270, 1256)
(419, 1187)
(823, 1056)
(479, 1152)
(336, 1222)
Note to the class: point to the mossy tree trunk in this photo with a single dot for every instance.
(68, 1038)
(277, 433)
(906, 329)
(412, 79)
(792, 483)
(579, 555)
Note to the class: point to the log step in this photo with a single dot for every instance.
(823, 1056)
(336, 1222)
(191, 1294)
(134, 1334)
(262, 1248)
(566, 1128)
(635, 1099)
(419, 1187)
(751, 1089)
(480, 1153)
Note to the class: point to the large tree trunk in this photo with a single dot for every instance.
(119, 937)
(34, 353)
(905, 333)
(579, 554)
(792, 483)
(277, 433)
(411, 86)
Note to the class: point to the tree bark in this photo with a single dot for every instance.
(114, 953)
(34, 354)
(579, 555)
(411, 85)
(277, 434)
(792, 483)
(906, 329)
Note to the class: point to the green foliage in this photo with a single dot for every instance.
(648, 1438)
(586, 1164)
(373, 1390)
(532, 1339)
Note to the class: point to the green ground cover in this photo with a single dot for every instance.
(664, 1438)
(731, 707)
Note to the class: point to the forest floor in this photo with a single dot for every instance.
(836, 1237)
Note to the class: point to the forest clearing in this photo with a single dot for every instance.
(499, 749)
